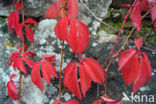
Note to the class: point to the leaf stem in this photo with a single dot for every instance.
(60, 73)
(20, 77)
(121, 48)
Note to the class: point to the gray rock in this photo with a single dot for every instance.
(37, 8)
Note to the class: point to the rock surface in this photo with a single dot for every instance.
(37, 8)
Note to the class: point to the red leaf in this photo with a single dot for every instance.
(71, 80)
(13, 20)
(47, 70)
(99, 101)
(72, 8)
(20, 65)
(154, 12)
(36, 77)
(154, 25)
(125, 56)
(19, 31)
(57, 102)
(29, 62)
(85, 79)
(30, 20)
(111, 101)
(151, 1)
(136, 17)
(72, 102)
(144, 72)
(29, 33)
(17, 60)
(49, 58)
(13, 57)
(29, 53)
(130, 70)
(138, 43)
(78, 37)
(89, 70)
(53, 11)
(18, 6)
(145, 5)
(12, 91)
(134, 71)
(61, 29)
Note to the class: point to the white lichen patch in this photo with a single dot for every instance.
(104, 37)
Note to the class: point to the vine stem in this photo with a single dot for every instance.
(121, 48)
(63, 4)
(123, 25)
(60, 73)
(20, 76)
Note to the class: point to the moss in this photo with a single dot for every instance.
(116, 22)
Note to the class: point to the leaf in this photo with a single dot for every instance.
(136, 17)
(72, 8)
(89, 70)
(36, 77)
(145, 5)
(138, 43)
(130, 70)
(29, 62)
(18, 6)
(12, 91)
(153, 12)
(61, 29)
(111, 101)
(20, 65)
(19, 31)
(136, 68)
(144, 72)
(49, 58)
(125, 56)
(78, 37)
(29, 53)
(13, 20)
(71, 80)
(17, 60)
(30, 20)
(99, 101)
(72, 102)
(13, 57)
(47, 70)
(29, 33)
(53, 11)
(154, 25)
(151, 1)
(57, 102)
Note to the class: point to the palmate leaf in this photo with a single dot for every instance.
(74, 32)
(48, 70)
(29, 31)
(135, 66)
(17, 60)
(89, 70)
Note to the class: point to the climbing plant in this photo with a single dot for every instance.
(133, 64)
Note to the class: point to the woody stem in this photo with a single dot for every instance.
(60, 73)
